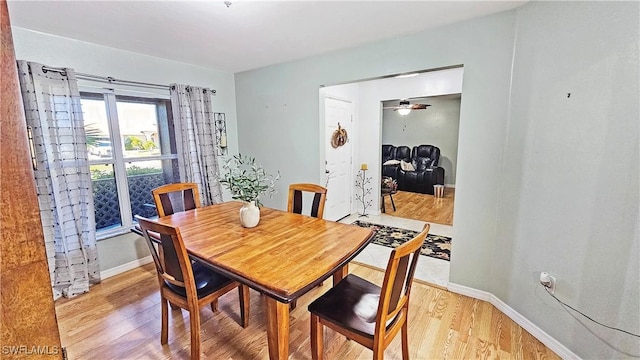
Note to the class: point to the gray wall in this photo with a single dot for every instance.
(437, 125)
(544, 183)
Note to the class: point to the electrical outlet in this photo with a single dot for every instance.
(548, 281)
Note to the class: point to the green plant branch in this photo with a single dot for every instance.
(246, 180)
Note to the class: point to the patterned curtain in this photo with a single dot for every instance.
(194, 122)
(53, 112)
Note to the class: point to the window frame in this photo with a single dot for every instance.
(118, 160)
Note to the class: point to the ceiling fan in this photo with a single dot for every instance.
(405, 107)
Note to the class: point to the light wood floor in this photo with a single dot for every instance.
(120, 319)
(423, 207)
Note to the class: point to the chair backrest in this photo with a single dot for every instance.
(403, 153)
(173, 266)
(398, 278)
(295, 198)
(388, 152)
(172, 198)
(432, 153)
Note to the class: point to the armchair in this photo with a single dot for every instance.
(427, 172)
(424, 160)
(390, 152)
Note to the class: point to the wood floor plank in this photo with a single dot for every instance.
(120, 319)
(423, 207)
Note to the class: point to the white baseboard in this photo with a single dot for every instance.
(525, 323)
(125, 267)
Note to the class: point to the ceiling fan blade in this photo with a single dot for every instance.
(419, 106)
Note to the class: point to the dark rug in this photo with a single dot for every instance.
(435, 246)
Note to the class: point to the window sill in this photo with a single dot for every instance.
(107, 234)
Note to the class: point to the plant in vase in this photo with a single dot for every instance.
(247, 181)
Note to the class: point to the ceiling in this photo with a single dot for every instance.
(245, 35)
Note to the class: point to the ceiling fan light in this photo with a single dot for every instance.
(404, 111)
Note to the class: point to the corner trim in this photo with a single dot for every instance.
(105, 274)
(525, 323)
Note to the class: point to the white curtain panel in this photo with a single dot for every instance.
(53, 111)
(194, 126)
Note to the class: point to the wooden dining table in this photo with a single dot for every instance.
(283, 257)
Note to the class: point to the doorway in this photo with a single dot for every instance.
(366, 97)
(433, 121)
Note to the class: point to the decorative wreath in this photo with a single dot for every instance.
(339, 137)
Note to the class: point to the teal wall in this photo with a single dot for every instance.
(544, 182)
(278, 119)
(569, 198)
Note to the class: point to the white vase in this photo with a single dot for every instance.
(249, 214)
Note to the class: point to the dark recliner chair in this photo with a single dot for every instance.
(389, 153)
(425, 160)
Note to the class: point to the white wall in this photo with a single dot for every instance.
(100, 60)
(436, 125)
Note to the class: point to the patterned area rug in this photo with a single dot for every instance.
(435, 246)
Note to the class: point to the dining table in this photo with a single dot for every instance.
(283, 257)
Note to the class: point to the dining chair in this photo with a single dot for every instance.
(366, 313)
(171, 198)
(189, 286)
(176, 197)
(295, 198)
(317, 206)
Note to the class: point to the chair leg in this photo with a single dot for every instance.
(392, 204)
(164, 332)
(194, 322)
(243, 294)
(405, 340)
(378, 349)
(214, 305)
(317, 338)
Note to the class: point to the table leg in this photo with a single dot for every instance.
(382, 201)
(392, 204)
(340, 274)
(277, 328)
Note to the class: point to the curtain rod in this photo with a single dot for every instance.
(110, 80)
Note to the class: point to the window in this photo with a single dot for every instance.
(131, 148)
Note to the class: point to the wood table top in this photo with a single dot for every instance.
(284, 256)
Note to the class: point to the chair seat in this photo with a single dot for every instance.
(207, 281)
(351, 304)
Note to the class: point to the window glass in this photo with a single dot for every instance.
(96, 127)
(131, 150)
(144, 176)
(139, 129)
(105, 197)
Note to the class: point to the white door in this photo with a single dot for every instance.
(338, 160)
